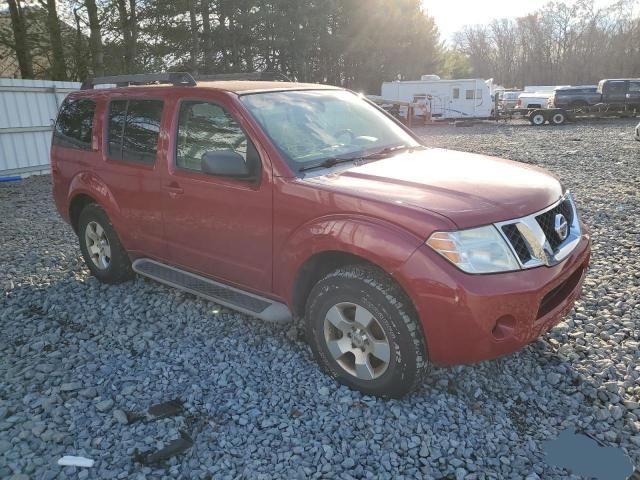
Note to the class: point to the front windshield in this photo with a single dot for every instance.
(309, 126)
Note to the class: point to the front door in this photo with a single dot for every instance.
(616, 92)
(216, 225)
(633, 94)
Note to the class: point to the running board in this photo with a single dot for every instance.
(231, 297)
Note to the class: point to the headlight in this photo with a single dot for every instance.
(477, 250)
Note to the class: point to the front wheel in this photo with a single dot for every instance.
(364, 332)
(537, 118)
(103, 253)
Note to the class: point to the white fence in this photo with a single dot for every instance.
(28, 109)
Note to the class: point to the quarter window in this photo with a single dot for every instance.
(206, 127)
(74, 125)
(133, 130)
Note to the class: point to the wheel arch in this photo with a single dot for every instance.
(87, 188)
(321, 247)
(77, 204)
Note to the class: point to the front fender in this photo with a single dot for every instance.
(381, 243)
(90, 184)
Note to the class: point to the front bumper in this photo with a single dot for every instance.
(468, 318)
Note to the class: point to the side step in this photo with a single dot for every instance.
(231, 297)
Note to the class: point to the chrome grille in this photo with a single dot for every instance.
(517, 242)
(534, 240)
(547, 222)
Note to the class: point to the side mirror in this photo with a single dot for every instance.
(225, 163)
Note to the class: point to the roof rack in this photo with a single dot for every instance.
(260, 76)
(175, 78)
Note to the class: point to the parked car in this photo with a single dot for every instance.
(638, 132)
(533, 99)
(289, 200)
(574, 97)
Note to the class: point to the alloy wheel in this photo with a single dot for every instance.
(356, 341)
(97, 245)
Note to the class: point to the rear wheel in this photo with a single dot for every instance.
(103, 253)
(363, 332)
(558, 118)
(537, 118)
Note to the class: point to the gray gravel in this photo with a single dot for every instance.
(76, 355)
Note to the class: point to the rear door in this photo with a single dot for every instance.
(131, 146)
(217, 225)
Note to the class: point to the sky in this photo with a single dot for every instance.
(452, 15)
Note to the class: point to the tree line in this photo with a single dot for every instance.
(353, 43)
(348, 42)
(559, 44)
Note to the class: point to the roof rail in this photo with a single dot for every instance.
(260, 76)
(175, 78)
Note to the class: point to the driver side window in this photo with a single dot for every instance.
(206, 127)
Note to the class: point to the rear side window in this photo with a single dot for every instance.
(133, 130)
(74, 125)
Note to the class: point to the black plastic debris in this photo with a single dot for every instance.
(172, 449)
(583, 456)
(166, 409)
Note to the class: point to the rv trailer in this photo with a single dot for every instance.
(445, 99)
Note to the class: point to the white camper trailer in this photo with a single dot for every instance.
(449, 99)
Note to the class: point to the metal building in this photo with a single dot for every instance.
(28, 109)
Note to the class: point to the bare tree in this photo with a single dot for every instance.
(95, 38)
(58, 66)
(129, 30)
(195, 40)
(21, 44)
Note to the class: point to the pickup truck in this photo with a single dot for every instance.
(533, 99)
(616, 93)
(574, 97)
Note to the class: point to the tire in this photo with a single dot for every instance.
(366, 291)
(558, 118)
(537, 118)
(101, 249)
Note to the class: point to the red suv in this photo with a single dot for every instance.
(307, 202)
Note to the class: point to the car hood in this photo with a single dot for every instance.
(468, 188)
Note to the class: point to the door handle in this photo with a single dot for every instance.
(174, 188)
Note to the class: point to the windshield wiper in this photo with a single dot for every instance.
(388, 150)
(331, 162)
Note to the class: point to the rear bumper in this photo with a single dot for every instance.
(469, 318)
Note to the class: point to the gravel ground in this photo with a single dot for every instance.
(76, 354)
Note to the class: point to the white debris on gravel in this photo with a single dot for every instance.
(76, 355)
(71, 461)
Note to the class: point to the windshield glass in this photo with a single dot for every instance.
(314, 125)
